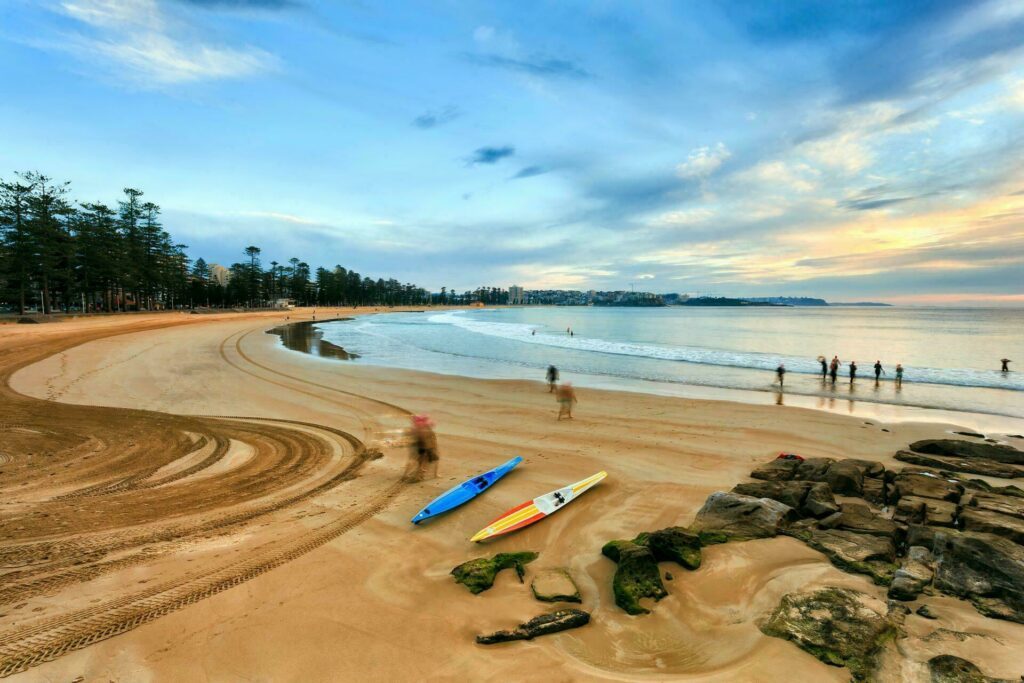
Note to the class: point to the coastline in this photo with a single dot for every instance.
(378, 600)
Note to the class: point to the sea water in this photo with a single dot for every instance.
(951, 357)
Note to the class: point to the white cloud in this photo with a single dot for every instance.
(703, 161)
(138, 42)
(684, 217)
(645, 276)
(782, 175)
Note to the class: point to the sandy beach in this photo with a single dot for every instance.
(183, 499)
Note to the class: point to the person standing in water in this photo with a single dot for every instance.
(853, 371)
(566, 397)
(781, 372)
(552, 378)
(899, 375)
(423, 456)
(833, 368)
(878, 370)
(824, 367)
(1006, 364)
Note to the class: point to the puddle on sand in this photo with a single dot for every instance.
(304, 336)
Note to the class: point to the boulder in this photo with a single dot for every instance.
(914, 510)
(543, 625)
(952, 669)
(674, 544)
(985, 466)
(776, 470)
(478, 575)
(874, 491)
(986, 521)
(862, 519)
(636, 577)
(845, 478)
(969, 449)
(858, 553)
(913, 576)
(986, 569)
(927, 485)
(926, 612)
(839, 626)
(813, 469)
(810, 499)
(994, 502)
(555, 585)
(909, 510)
(742, 517)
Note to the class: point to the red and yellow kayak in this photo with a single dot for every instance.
(537, 509)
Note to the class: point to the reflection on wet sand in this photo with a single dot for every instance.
(306, 337)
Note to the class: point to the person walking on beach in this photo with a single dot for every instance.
(781, 372)
(552, 378)
(833, 368)
(899, 375)
(1006, 364)
(824, 367)
(566, 397)
(878, 370)
(423, 456)
(853, 370)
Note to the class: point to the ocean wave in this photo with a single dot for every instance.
(533, 334)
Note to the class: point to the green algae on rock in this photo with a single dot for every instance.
(636, 577)
(478, 575)
(837, 625)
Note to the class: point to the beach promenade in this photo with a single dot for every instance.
(183, 499)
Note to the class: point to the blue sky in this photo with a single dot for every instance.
(851, 150)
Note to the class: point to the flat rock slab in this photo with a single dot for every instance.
(969, 449)
(555, 585)
(545, 624)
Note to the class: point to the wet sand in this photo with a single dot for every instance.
(143, 538)
(303, 336)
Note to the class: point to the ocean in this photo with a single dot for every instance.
(950, 356)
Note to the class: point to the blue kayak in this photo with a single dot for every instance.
(465, 492)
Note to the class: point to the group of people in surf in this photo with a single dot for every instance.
(831, 370)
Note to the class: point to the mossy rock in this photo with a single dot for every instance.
(478, 575)
(636, 577)
(952, 669)
(836, 625)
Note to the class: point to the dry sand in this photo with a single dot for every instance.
(153, 540)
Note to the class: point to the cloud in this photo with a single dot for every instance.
(529, 172)
(535, 65)
(490, 155)
(244, 4)
(703, 161)
(137, 42)
(433, 119)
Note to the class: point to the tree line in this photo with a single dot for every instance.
(57, 254)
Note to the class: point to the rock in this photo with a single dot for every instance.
(813, 469)
(914, 576)
(860, 518)
(986, 521)
(952, 669)
(976, 435)
(636, 577)
(969, 449)
(988, 570)
(743, 517)
(668, 576)
(874, 491)
(478, 575)
(985, 466)
(545, 624)
(925, 612)
(858, 553)
(832, 521)
(927, 485)
(674, 544)
(845, 477)
(839, 626)
(909, 510)
(555, 585)
(810, 499)
(914, 510)
(994, 502)
(776, 470)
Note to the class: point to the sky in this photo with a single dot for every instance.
(845, 150)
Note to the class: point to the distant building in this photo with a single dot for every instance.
(516, 295)
(219, 274)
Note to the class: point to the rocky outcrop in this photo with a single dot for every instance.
(858, 553)
(674, 544)
(988, 570)
(995, 502)
(478, 575)
(841, 627)
(952, 669)
(861, 519)
(555, 585)
(741, 517)
(927, 485)
(776, 470)
(913, 576)
(810, 499)
(969, 450)
(991, 468)
(813, 469)
(846, 477)
(545, 624)
(986, 521)
(915, 510)
(636, 576)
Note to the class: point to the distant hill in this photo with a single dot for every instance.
(787, 300)
(858, 303)
(724, 301)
